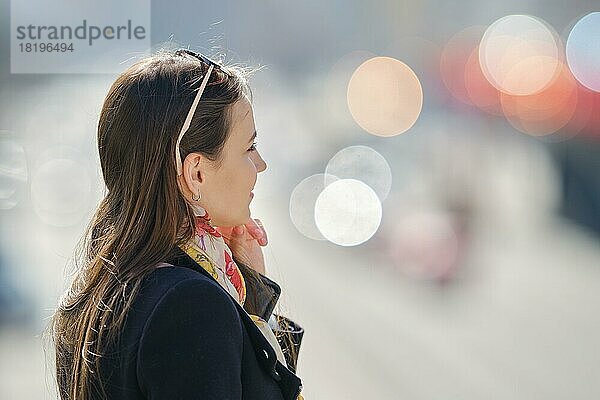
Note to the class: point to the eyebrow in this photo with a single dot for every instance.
(252, 137)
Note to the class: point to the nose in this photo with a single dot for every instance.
(259, 163)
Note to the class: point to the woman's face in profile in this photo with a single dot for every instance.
(225, 191)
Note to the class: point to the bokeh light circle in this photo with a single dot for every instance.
(545, 112)
(302, 204)
(384, 96)
(519, 54)
(348, 212)
(454, 59)
(583, 51)
(480, 91)
(364, 164)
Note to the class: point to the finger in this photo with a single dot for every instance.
(257, 231)
(264, 232)
(254, 229)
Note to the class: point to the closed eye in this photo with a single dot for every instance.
(253, 147)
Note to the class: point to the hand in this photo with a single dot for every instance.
(245, 242)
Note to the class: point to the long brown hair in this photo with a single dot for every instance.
(143, 214)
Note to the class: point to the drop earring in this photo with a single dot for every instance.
(198, 210)
(196, 198)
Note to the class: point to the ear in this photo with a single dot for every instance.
(195, 170)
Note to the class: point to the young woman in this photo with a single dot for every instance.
(169, 299)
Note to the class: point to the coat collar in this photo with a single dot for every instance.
(289, 382)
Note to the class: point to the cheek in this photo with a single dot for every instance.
(242, 178)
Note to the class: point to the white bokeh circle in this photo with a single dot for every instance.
(348, 212)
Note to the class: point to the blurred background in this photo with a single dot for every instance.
(432, 196)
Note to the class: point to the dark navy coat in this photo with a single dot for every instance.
(186, 338)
